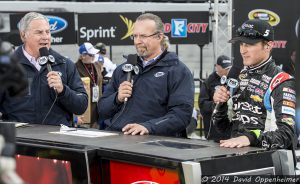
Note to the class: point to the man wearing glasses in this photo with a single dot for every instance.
(93, 70)
(264, 102)
(160, 97)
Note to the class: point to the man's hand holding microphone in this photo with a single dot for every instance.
(124, 91)
(222, 95)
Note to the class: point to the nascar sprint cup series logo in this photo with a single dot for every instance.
(266, 15)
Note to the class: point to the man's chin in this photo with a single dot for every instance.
(141, 53)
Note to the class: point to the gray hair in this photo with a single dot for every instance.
(25, 21)
(159, 27)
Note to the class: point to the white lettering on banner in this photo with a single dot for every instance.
(247, 107)
(97, 33)
(56, 39)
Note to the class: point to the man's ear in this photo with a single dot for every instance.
(158, 36)
(269, 45)
(23, 36)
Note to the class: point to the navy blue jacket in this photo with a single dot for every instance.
(33, 105)
(162, 98)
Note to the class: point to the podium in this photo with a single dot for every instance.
(129, 159)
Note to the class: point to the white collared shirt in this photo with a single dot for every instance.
(31, 59)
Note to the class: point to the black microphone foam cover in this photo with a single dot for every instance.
(234, 72)
(132, 59)
(44, 51)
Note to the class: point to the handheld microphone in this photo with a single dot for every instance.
(230, 82)
(46, 58)
(130, 67)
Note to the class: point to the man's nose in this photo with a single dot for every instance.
(45, 35)
(242, 48)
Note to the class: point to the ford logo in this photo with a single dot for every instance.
(266, 15)
(57, 24)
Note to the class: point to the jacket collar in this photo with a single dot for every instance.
(23, 60)
(260, 67)
(165, 59)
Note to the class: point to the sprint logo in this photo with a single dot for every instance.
(179, 28)
(129, 25)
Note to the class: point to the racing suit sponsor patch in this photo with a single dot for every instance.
(259, 91)
(289, 103)
(256, 98)
(289, 90)
(289, 96)
(288, 110)
(279, 78)
(266, 78)
(255, 81)
(289, 121)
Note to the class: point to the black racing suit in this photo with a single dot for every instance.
(264, 107)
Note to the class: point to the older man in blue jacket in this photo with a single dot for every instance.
(161, 95)
(52, 97)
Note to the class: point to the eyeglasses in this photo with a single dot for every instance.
(249, 33)
(91, 55)
(142, 37)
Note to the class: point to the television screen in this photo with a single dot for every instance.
(36, 170)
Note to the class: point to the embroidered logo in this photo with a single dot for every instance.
(159, 74)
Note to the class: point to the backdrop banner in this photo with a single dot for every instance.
(62, 28)
(116, 28)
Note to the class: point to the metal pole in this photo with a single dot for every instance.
(110, 52)
(201, 61)
(177, 49)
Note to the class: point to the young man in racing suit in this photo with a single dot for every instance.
(264, 102)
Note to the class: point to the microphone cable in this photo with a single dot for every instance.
(114, 120)
(55, 99)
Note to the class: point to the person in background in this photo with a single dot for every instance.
(108, 66)
(160, 98)
(290, 66)
(88, 68)
(207, 90)
(52, 97)
(264, 102)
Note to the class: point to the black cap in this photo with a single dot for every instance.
(253, 31)
(224, 61)
(102, 47)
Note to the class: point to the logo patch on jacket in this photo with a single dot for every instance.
(256, 98)
(289, 121)
(159, 74)
(288, 110)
